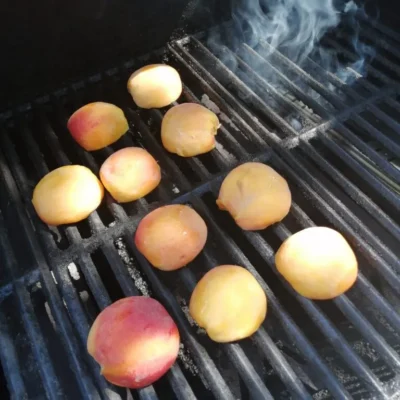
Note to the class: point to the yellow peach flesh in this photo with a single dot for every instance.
(189, 129)
(67, 195)
(255, 195)
(171, 236)
(155, 86)
(318, 263)
(228, 303)
(130, 173)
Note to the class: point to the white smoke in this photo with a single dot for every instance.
(294, 27)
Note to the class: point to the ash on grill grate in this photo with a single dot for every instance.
(336, 145)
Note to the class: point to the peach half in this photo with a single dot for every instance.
(130, 174)
(135, 341)
(171, 236)
(155, 86)
(67, 195)
(189, 130)
(255, 195)
(97, 125)
(228, 303)
(318, 262)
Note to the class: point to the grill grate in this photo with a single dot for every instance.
(345, 348)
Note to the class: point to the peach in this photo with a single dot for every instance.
(155, 86)
(135, 341)
(228, 303)
(318, 263)
(189, 129)
(67, 195)
(97, 125)
(171, 236)
(255, 195)
(130, 173)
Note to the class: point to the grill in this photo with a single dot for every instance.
(335, 144)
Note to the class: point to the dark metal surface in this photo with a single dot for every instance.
(62, 42)
(341, 166)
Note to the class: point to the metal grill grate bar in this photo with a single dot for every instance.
(383, 60)
(347, 134)
(349, 188)
(393, 316)
(178, 381)
(91, 268)
(392, 278)
(77, 363)
(234, 352)
(9, 361)
(88, 268)
(358, 196)
(335, 100)
(363, 325)
(379, 27)
(292, 152)
(326, 202)
(333, 79)
(63, 279)
(389, 195)
(189, 279)
(381, 42)
(372, 71)
(47, 373)
(248, 374)
(346, 350)
(337, 340)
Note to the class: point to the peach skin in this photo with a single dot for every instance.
(97, 125)
(135, 341)
(171, 236)
(130, 173)
(67, 195)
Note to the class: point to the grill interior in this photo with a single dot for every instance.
(338, 147)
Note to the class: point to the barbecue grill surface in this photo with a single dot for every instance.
(337, 147)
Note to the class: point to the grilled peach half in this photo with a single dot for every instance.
(155, 86)
(255, 195)
(228, 303)
(189, 130)
(97, 125)
(130, 173)
(171, 236)
(318, 263)
(67, 195)
(135, 341)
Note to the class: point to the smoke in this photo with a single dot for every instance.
(364, 52)
(295, 28)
